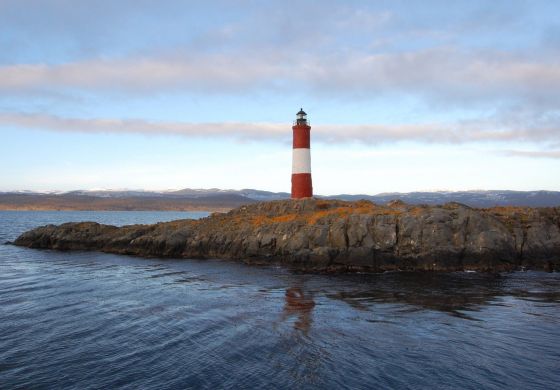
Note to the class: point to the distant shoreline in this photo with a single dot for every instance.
(71, 202)
(215, 199)
(211, 209)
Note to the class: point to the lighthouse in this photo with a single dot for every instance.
(301, 157)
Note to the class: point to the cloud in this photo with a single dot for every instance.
(554, 154)
(434, 133)
(429, 60)
(457, 54)
(139, 75)
(443, 74)
(254, 131)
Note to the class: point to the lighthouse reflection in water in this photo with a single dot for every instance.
(299, 305)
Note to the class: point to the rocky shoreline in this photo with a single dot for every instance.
(331, 235)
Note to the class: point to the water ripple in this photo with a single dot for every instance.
(94, 320)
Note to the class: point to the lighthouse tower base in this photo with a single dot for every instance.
(301, 185)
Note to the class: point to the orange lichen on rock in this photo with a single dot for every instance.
(284, 218)
(316, 211)
(316, 216)
(417, 210)
(260, 220)
(508, 210)
(360, 207)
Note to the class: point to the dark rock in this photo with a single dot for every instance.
(332, 235)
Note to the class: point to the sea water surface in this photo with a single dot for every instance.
(86, 320)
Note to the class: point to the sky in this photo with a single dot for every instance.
(401, 95)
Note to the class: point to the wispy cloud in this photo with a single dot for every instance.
(444, 74)
(437, 133)
(139, 75)
(533, 153)
(254, 131)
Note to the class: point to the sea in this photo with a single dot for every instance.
(89, 320)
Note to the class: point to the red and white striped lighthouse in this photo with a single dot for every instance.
(301, 158)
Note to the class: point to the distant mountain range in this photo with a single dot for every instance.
(470, 198)
(215, 199)
(189, 193)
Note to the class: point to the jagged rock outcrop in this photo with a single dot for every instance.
(335, 235)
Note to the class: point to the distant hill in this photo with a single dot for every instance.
(220, 200)
(481, 199)
(76, 201)
(187, 193)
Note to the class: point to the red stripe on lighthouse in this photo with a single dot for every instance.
(302, 136)
(302, 186)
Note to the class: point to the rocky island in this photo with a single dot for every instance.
(330, 235)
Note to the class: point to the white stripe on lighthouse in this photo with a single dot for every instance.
(301, 161)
